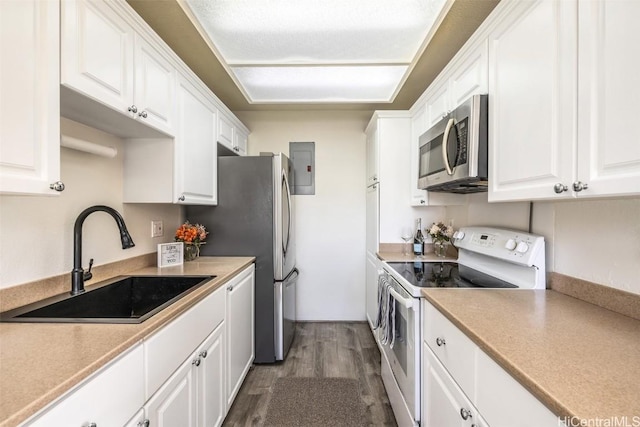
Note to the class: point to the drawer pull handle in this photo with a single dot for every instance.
(465, 414)
(440, 342)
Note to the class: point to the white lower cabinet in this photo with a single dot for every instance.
(444, 403)
(463, 386)
(371, 288)
(194, 395)
(109, 398)
(240, 331)
(185, 375)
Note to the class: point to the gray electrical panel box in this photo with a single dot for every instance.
(303, 158)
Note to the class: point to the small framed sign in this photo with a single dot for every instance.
(170, 254)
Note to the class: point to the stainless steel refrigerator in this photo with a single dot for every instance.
(254, 217)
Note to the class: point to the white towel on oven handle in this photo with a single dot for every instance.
(386, 316)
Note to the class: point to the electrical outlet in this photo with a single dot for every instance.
(157, 230)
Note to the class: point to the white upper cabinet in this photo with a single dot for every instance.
(532, 109)
(608, 94)
(155, 82)
(196, 163)
(29, 97)
(563, 86)
(104, 59)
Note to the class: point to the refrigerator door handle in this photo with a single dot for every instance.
(285, 184)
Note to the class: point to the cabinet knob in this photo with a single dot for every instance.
(181, 198)
(440, 342)
(58, 186)
(423, 201)
(91, 425)
(203, 354)
(144, 423)
(559, 188)
(236, 149)
(579, 186)
(196, 362)
(133, 109)
(143, 114)
(465, 413)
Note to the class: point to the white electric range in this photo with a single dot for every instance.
(488, 258)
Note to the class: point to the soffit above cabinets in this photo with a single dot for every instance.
(312, 51)
(315, 55)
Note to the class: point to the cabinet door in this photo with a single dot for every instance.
(438, 104)
(470, 75)
(371, 288)
(609, 140)
(372, 155)
(225, 131)
(212, 404)
(97, 52)
(175, 403)
(373, 218)
(532, 111)
(155, 82)
(443, 403)
(418, 127)
(505, 402)
(109, 398)
(196, 165)
(241, 141)
(29, 96)
(240, 332)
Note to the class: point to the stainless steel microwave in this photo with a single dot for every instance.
(453, 153)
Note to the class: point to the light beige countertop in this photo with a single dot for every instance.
(39, 362)
(579, 359)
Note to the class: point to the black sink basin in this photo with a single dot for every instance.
(131, 299)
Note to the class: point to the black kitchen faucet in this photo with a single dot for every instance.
(78, 275)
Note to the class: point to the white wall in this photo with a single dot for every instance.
(37, 231)
(595, 240)
(330, 225)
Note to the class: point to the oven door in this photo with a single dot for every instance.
(404, 356)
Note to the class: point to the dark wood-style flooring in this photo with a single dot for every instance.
(344, 349)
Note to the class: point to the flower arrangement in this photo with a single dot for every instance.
(192, 236)
(440, 232)
(191, 233)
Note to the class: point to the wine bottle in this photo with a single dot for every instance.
(418, 240)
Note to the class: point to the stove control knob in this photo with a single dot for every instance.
(458, 235)
(522, 247)
(510, 245)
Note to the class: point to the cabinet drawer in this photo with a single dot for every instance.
(168, 348)
(454, 350)
(109, 398)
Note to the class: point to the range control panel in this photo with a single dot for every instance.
(510, 245)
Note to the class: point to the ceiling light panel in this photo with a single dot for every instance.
(312, 31)
(319, 84)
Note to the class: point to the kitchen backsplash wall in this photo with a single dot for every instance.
(37, 231)
(595, 240)
(330, 225)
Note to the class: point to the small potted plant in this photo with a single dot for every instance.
(440, 236)
(192, 236)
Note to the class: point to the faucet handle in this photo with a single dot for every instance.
(87, 275)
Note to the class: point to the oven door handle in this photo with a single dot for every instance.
(407, 302)
(445, 146)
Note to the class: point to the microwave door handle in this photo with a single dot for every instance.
(445, 146)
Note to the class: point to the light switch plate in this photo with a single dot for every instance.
(157, 229)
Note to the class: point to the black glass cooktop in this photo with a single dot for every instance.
(445, 275)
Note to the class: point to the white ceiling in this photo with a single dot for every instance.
(310, 51)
